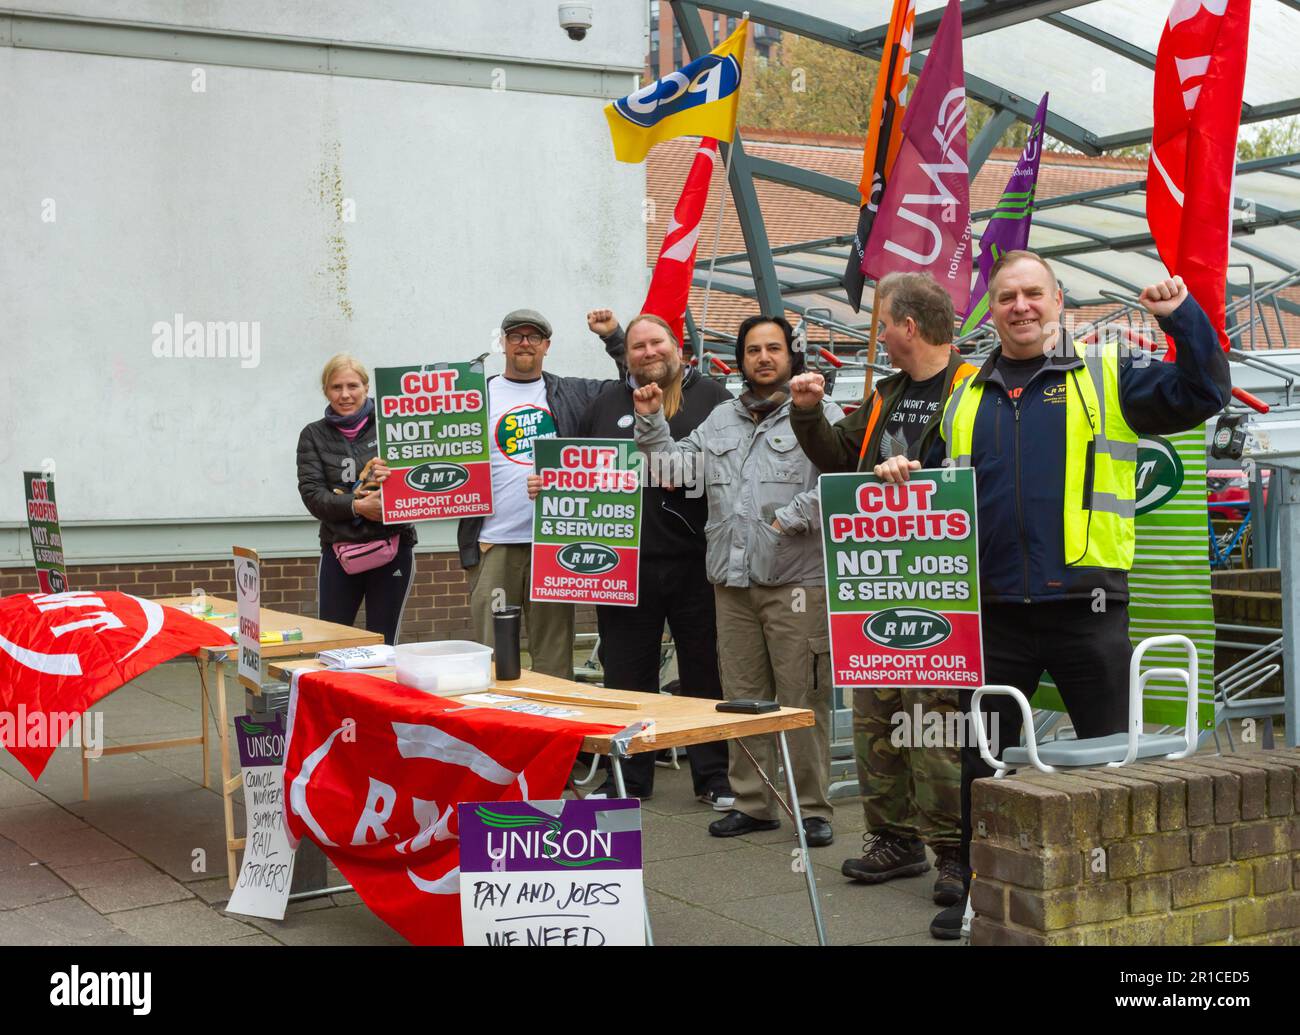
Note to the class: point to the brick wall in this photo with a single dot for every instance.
(1205, 851)
(437, 608)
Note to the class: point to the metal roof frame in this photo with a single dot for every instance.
(979, 16)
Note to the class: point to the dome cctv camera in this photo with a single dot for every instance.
(575, 19)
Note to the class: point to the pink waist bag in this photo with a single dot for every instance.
(355, 558)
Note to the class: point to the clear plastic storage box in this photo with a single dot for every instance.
(445, 666)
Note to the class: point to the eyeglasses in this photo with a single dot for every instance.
(515, 338)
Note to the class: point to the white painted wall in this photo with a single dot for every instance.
(222, 206)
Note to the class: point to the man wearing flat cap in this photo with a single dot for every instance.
(524, 404)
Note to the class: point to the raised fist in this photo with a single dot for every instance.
(806, 390)
(1163, 298)
(647, 399)
(601, 321)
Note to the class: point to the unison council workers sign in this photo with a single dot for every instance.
(432, 424)
(587, 521)
(902, 580)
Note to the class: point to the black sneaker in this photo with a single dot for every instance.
(887, 856)
(950, 885)
(720, 798)
(946, 926)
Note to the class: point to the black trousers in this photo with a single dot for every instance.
(675, 591)
(384, 589)
(1085, 652)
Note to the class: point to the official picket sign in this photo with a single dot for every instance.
(587, 522)
(432, 428)
(248, 609)
(902, 579)
(43, 527)
(267, 870)
(551, 872)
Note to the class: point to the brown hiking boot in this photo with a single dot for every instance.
(950, 886)
(887, 856)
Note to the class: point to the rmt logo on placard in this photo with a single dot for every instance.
(907, 628)
(587, 558)
(437, 477)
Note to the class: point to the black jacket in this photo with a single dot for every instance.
(838, 447)
(323, 452)
(1018, 452)
(672, 523)
(569, 398)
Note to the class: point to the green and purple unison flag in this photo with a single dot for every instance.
(1008, 227)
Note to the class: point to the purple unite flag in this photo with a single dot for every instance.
(1008, 227)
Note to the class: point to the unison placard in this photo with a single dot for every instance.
(551, 872)
(902, 580)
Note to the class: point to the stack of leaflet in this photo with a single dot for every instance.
(379, 655)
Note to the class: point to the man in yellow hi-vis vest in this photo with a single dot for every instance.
(1051, 428)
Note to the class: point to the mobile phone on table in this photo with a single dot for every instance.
(748, 706)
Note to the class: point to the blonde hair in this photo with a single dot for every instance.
(672, 401)
(343, 361)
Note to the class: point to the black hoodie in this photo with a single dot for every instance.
(672, 523)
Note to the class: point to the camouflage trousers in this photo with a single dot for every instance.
(909, 789)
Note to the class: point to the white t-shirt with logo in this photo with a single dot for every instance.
(518, 415)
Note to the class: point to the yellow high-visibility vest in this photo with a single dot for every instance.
(1100, 458)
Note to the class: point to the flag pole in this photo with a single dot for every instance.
(871, 350)
(717, 237)
(722, 204)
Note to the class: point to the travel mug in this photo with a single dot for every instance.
(505, 633)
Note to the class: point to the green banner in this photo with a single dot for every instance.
(587, 521)
(902, 580)
(1169, 586)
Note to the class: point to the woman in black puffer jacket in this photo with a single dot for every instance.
(361, 558)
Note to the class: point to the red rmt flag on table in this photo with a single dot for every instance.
(62, 652)
(1199, 80)
(924, 221)
(373, 774)
(670, 286)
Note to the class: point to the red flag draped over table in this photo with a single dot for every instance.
(62, 652)
(1199, 80)
(923, 225)
(374, 772)
(670, 287)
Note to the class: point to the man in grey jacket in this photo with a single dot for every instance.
(764, 559)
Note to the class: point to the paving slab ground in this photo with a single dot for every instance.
(143, 861)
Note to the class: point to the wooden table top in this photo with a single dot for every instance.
(678, 721)
(316, 635)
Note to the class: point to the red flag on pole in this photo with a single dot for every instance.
(1199, 79)
(670, 286)
(924, 221)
